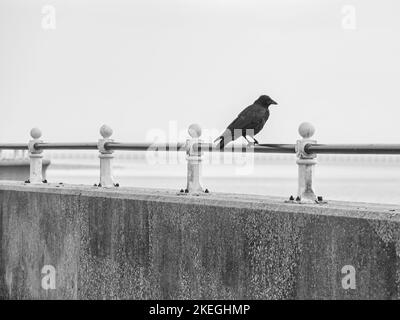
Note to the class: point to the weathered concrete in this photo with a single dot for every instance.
(18, 169)
(153, 244)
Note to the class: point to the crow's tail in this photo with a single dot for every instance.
(224, 139)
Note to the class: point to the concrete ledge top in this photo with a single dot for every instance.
(369, 211)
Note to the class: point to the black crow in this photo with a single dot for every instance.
(248, 123)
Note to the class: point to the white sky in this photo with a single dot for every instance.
(138, 65)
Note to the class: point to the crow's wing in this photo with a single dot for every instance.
(252, 117)
(249, 118)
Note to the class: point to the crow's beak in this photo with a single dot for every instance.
(273, 102)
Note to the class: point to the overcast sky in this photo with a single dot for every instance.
(150, 64)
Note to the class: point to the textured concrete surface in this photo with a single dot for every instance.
(155, 244)
(18, 169)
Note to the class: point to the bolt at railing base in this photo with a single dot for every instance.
(116, 185)
(184, 192)
(29, 181)
(298, 200)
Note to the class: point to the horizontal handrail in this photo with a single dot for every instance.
(309, 148)
(13, 146)
(352, 148)
(259, 148)
(145, 146)
(65, 146)
(275, 148)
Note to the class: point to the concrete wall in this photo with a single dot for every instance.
(153, 244)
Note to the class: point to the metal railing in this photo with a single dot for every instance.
(305, 148)
(353, 148)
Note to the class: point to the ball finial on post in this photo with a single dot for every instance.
(306, 130)
(35, 158)
(194, 130)
(106, 157)
(36, 133)
(105, 131)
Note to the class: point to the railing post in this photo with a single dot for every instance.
(106, 157)
(193, 157)
(35, 156)
(306, 163)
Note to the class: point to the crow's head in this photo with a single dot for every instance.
(265, 101)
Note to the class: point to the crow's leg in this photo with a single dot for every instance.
(255, 141)
(244, 136)
(249, 142)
